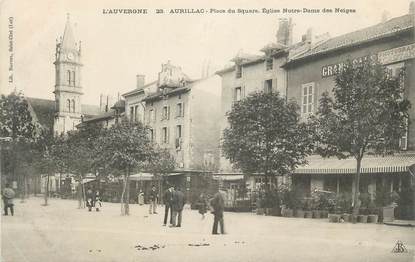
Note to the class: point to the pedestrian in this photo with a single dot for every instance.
(97, 201)
(177, 206)
(218, 205)
(153, 200)
(90, 199)
(8, 195)
(202, 205)
(168, 199)
(141, 198)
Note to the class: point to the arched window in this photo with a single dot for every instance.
(68, 105)
(73, 78)
(73, 105)
(68, 73)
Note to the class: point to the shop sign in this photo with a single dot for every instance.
(334, 69)
(385, 57)
(397, 54)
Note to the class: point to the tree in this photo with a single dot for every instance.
(49, 156)
(265, 135)
(125, 147)
(80, 155)
(161, 163)
(16, 122)
(366, 114)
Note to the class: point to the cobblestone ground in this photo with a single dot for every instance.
(61, 232)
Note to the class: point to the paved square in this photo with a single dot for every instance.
(61, 232)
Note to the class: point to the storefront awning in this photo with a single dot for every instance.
(142, 177)
(228, 177)
(370, 165)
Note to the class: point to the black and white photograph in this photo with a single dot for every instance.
(217, 131)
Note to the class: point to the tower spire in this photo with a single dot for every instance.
(68, 41)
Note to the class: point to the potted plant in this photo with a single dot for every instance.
(308, 213)
(386, 200)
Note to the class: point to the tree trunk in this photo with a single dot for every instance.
(83, 193)
(127, 194)
(122, 195)
(24, 188)
(356, 204)
(47, 190)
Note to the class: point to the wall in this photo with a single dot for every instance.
(205, 125)
(306, 72)
(252, 80)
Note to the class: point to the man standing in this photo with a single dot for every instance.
(8, 195)
(153, 200)
(218, 205)
(168, 199)
(178, 204)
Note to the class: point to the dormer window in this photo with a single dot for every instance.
(238, 71)
(269, 63)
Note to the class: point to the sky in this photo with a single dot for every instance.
(117, 47)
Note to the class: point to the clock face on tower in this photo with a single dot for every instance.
(70, 56)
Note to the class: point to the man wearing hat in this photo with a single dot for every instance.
(218, 205)
(168, 200)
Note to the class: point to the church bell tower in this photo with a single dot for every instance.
(68, 89)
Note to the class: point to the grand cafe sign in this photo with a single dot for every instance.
(385, 57)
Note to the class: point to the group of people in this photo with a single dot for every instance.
(93, 199)
(174, 200)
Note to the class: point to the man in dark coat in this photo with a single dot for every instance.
(218, 205)
(177, 205)
(168, 199)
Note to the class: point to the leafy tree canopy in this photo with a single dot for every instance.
(265, 135)
(367, 112)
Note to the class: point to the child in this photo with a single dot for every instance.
(98, 203)
(203, 205)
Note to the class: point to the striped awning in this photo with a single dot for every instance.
(228, 177)
(398, 163)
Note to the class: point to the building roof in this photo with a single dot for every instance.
(171, 91)
(120, 104)
(382, 30)
(370, 164)
(138, 90)
(44, 110)
(103, 116)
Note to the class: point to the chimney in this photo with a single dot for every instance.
(140, 81)
(285, 32)
(309, 35)
(412, 7)
(385, 16)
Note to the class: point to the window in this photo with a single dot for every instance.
(73, 79)
(68, 76)
(164, 135)
(136, 113)
(152, 135)
(131, 113)
(165, 113)
(73, 105)
(151, 116)
(307, 104)
(179, 110)
(268, 86)
(237, 94)
(269, 63)
(57, 105)
(68, 105)
(238, 71)
(178, 136)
